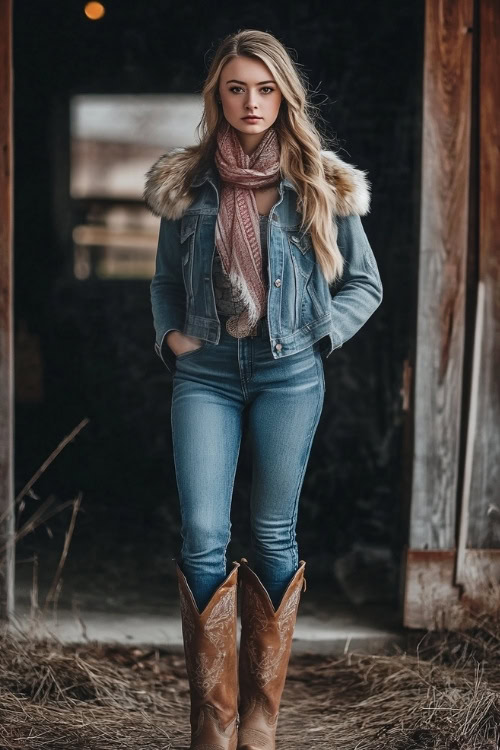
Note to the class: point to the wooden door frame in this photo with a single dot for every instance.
(449, 568)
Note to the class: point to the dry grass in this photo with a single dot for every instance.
(58, 696)
(441, 692)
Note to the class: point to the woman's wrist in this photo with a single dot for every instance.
(176, 340)
(171, 336)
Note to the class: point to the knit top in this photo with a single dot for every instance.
(227, 298)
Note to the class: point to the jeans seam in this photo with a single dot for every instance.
(304, 467)
(231, 497)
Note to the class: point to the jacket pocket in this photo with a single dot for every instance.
(301, 240)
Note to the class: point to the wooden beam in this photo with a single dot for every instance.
(471, 432)
(484, 506)
(433, 602)
(429, 592)
(442, 267)
(6, 318)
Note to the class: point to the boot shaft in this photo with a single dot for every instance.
(210, 650)
(266, 639)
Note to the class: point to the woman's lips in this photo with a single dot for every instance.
(252, 118)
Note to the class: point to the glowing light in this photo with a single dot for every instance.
(95, 11)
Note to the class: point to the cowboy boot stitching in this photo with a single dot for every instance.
(206, 675)
(264, 653)
(219, 619)
(265, 667)
(211, 662)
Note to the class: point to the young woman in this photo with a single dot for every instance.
(263, 269)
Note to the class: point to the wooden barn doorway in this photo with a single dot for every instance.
(453, 553)
(453, 511)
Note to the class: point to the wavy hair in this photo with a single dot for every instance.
(300, 140)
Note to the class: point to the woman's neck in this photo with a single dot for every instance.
(249, 141)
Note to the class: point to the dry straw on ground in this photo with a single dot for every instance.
(441, 692)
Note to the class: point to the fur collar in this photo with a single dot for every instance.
(163, 197)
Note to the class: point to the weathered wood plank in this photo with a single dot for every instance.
(481, 581)
(6, 315)
(442, 266)
(471, 432)
(432, 601)
(429, 591)
(484, 507)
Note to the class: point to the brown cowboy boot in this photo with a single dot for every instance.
(266, 641)
(210, 649)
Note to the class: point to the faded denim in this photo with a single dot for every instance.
(212, 385)
(302, 308)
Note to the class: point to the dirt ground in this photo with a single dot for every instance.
(441, 692)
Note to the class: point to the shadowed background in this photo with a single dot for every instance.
(84, 346)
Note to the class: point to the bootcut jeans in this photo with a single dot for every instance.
(212, 385)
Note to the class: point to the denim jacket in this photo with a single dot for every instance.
(302, 308)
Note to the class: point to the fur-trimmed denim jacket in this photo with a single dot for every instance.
(302, 308)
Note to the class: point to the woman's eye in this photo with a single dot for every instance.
(269, 89)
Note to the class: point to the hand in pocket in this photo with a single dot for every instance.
(180, 343)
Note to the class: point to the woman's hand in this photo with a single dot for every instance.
(180, 343)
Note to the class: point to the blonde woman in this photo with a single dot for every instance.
(263, 269)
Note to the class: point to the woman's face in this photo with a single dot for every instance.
(247, 87)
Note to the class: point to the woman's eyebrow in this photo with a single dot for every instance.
(233, 80)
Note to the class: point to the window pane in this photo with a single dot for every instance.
(114, 141)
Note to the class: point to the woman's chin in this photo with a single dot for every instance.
(250, 127)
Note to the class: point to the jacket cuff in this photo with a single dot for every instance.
(164, 352)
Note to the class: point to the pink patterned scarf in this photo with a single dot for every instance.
(237, 233)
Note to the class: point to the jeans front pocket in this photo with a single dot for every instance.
(190, 352)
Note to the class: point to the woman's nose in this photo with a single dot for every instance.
(251, 103)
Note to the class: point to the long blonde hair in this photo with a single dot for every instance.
(300, 140)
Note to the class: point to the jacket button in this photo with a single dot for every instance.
(277, 282)
(295, 238)
(278, 347)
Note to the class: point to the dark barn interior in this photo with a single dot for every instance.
(84, 340)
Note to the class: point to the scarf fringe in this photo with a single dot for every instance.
(240, 285)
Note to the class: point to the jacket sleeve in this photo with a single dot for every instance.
(168, 294)
(359, 292)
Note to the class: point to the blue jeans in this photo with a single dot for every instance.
(284, 397)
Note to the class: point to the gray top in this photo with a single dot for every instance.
(227, 299)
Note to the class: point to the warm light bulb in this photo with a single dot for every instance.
(94, 11)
